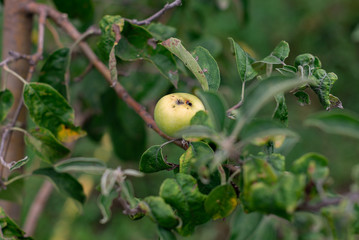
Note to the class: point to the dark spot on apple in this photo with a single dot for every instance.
(179, 102)
(189, 103)
(173, 106)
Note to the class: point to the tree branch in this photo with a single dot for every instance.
(325, 202)
(37, 207)
(33, 60)
(62, 21)
(158, 14)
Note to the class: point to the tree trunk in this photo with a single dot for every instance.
(17, 27)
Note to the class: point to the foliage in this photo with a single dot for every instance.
(232, 163)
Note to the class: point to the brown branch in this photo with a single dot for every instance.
(14, 56)
(325, 202)
(33, 60)
(37, 207)
(62, 21)
(158, 14)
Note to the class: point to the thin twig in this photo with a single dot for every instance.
(92, 30)
(84, 73)
(325, 202)
(62, 21)
(158, 14)
(14, 56)
(40, 40)
(33, 60)
(54, 33)
(37, 207)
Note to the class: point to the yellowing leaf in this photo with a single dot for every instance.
(68, 135)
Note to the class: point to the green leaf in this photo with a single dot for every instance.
(305, 59)
(183, 195)
(201, 118)
(196, 131)
(195, 161)
(104, 202)
(264, 130)
(175, 46)
(244, 62)
(256, 226)
(152, 160)
(161, 32)
(6, 101)
(264, 92)
(19, 163)
(267, 192)
(79, 9)
(160, 212)
(196, 157)
(50, 110)
(166, 234)
(340, 219)
(279, 54)
(302, 97)
(313, 165)
(276, 160)
(245, 225)
(137, 43)
(9, 229)
(209, 67)
(338, 122)
(307, 63)
(126, 128)
(54, 69)
(108, 181)
(45, 145)
(81, 164)
(287, 70)
(281, 110)
(334, 102)
(14, 191)
(215, 107)
(64, 182)
(221, 202)
(311, 226)
(322, 85)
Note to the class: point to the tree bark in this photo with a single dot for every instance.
(17, 26)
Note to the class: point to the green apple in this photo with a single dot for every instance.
(173, 112)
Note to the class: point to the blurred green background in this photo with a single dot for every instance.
(328, 29)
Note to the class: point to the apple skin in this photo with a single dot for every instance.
(175, 111)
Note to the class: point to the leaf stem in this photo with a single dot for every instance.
(230, 179)
(239, 104)
(17, 178)
(20, 130)
(269, 69)
(6, 68)
(222, 173)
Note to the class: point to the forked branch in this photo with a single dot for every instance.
(62, 21)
